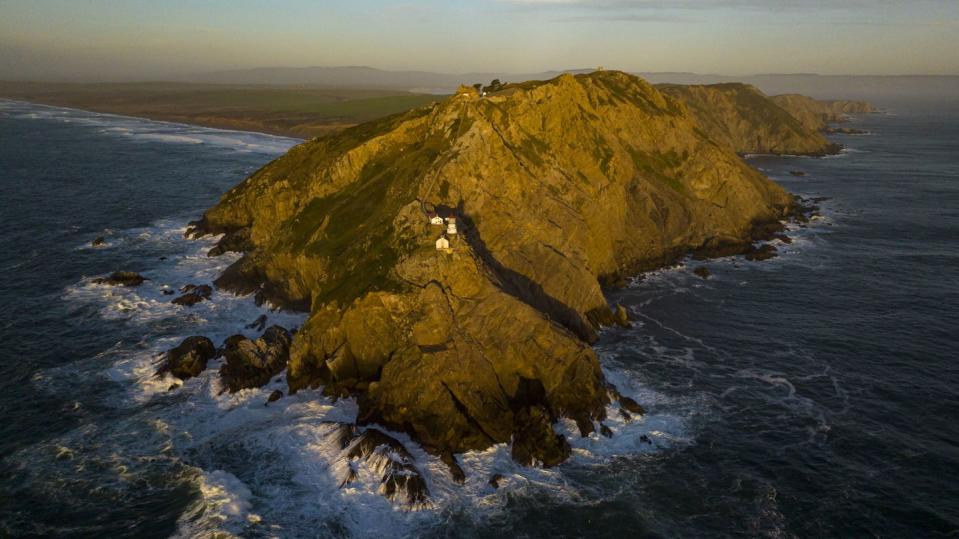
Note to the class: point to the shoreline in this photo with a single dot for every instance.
(213, 123)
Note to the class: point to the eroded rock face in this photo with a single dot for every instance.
(746, 120)
(252, 363)
(557, 186)
(189, 358)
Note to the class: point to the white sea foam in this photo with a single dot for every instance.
(287, 479)
(224, 506)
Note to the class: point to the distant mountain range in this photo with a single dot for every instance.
(820, 86)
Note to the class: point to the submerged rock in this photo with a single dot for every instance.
(797, 172)
(122, 278)
(189, 358)
(193, 294)
(274, 396)
(702, 272)
(252, 363)
(258, 324)
(763, 252)
(99, 242)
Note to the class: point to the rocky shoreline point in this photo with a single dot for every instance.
(558, 188)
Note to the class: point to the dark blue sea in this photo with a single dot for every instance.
(814, 394)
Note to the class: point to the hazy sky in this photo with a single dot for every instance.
(130, 39)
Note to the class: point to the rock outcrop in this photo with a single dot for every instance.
(121, 278)
(193, 294)
(189, 358)
(746, 120)
(252, 363)
(558, 186)
(816, 114)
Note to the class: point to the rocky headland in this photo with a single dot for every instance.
(453, 257)
(817, 114)
(746, 120)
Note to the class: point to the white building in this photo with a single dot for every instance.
(442, 244)
(451, 225)
(436, 219)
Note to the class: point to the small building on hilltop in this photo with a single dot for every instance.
(443, 244)
(451, 225)
(434, 218)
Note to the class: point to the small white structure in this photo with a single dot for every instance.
(436, 219)
(442, 244)
(451, 225)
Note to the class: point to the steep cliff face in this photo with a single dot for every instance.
(746, 120)
(817, 114)
(556, 185)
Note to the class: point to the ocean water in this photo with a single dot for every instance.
(815, 394)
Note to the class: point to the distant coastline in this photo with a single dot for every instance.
(294, 112)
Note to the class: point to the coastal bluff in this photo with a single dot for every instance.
(557, 187)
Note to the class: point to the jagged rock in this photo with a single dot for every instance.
(783, 238)
(605, 431)
(258, 324)
(556, 185)
(189, 358)
(645, 439)
(235, 241)
(193, 294)
(252, 363)
(401, 480)
(168, 292)
(631, 405)
(99, 242)
(494, 480)
(122, 278)
(702, 272)
(456, 471)
(622, 317)
(535, 440)
(275, 395)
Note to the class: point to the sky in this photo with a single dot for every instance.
(134, 39)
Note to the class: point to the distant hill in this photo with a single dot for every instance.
(876, 87)
(366, 77)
